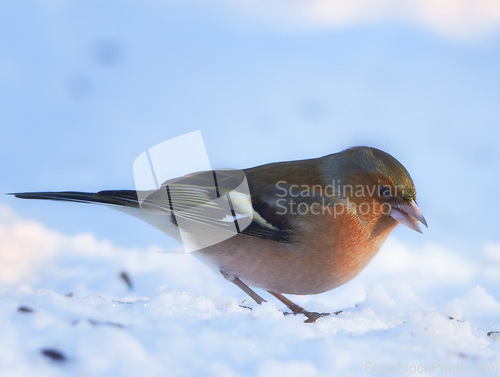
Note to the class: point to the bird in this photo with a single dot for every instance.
(303, 227)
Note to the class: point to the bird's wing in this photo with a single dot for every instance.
(273, 206)
(194, 198)
(284, 196)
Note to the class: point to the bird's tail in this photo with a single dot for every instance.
(122, 198)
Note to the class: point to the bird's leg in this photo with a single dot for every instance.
(245, 288)
(296, 309)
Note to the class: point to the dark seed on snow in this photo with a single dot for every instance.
(25, 309)
(53, 354)
(495, 335)
(126, 279)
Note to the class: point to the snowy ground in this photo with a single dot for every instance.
(65, 310)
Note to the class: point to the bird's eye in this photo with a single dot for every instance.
(385, 191)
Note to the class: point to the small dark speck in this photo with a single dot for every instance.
(126, 279)
(69, 295)
(53, 354)
(25, 309)
(495, 335)
(122, 302)
(93, 322)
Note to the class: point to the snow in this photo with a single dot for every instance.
(411, 312)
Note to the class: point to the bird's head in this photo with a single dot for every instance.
(373, 177)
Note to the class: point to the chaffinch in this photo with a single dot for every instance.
(312, 226)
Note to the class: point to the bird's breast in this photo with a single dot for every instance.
(326, 254)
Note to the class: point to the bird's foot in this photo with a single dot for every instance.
(313, 316)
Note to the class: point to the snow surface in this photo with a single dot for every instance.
(411, 312)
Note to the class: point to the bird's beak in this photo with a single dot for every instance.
(408, 214)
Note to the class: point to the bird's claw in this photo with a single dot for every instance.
(314, 316)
